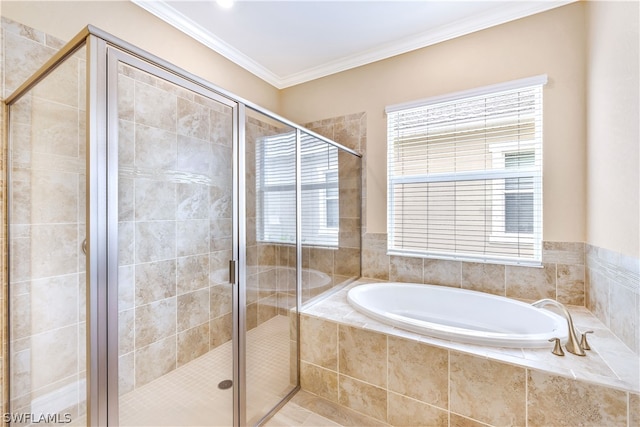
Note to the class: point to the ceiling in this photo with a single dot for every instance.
(290, 42)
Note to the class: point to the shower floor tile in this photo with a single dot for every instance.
(189, 395)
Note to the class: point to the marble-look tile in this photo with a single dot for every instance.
(443, 272)
(192, 343)
(195, 157)
(126, 98)
(349, 235)
(155, 149)
(155, 321)
(52, 356)
(221, 126)
(405, 269)
(487, 391)
(570, 284)
(634, 409)
(563, 252)
(531, 283)
(54, 197)
(362, 354)
(488, 278)
(623, 305)
(456, 420)
(54, 250)
(404, 411)
(267, 308)
(154, 200)
(319, 381)
(561, 401)
(126, 199)
(126, 328)
(598, 296)
(126, 243)
(221, 300)
(192, 237)
(333, 411)
(220, 330)
(55, 128)
(22, 58)
(193, 309)
(375, 261)
(155, 360)
(126, 373)
(319, 342)
(155, 281)
(155, 240)
(362, 397)
(192, 201)
(155, 107)
(418, 371)
(54, 303)
(193, 119)
(347, 262)
(192, 273)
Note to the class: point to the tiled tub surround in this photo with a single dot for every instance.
(613, 292)
(401, 378)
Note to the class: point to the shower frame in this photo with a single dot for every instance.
(103, 51)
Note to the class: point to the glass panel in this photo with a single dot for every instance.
(47, 266)
(330, 217)
(175, 243)
(271, 317)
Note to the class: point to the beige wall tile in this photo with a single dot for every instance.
(442, 272)
(51, 358)
(570, 284)
(319, 342)
(347, 262)
(155, 281)
(624, 310)
(155, 149)
(634, 409)
(487, 391)
(155, 107)
(405, 269)
(155, 240)
(192, 273)
(54, 250)
(126, 373)
(192, 237)
(375, 261)
(456, 420)
(488, 278)
(155, 321)
(192, 201)
(561, 401)
(54, 197)
(126, 329)
(419, 371)
(193, 119)
(61, 85)
(192, 343)
(531, 282)
(193, 309)
(18, 65)
(154, 200)
(404, 411)
(220, 330)
(362, 397)
(195, 157)
(563, 252)
(362, 354)
(319, 381)
(54, 303)
(221, 300)
(155, 360)
(598, 296)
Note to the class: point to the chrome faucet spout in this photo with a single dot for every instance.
(572, 344)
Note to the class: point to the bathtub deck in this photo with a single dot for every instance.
(610, 362)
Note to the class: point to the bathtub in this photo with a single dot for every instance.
(458, 314)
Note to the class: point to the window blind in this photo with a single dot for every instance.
(465, 175)
(276, 188)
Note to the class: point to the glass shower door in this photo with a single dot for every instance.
(175, 241)
(270, 305)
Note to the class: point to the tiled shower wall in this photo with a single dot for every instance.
(48, 223)
(175, 226)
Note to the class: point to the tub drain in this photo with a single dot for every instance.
(223, 385)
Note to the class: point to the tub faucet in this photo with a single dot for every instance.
(572, 344)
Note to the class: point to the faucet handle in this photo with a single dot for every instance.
(557, 348)
(583, 341)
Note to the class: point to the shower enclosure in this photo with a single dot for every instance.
(163, 236)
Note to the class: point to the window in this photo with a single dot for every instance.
(276, 187)
(465, 175)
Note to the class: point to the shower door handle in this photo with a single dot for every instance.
(232, 271)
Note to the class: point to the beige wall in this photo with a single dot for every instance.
(613, 131)
(129, 22)
(551, 43)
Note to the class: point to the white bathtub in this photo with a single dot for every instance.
(459, 314)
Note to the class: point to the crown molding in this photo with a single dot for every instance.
(506, 13)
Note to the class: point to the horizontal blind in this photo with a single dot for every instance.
(276, 189)
(465, 177)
